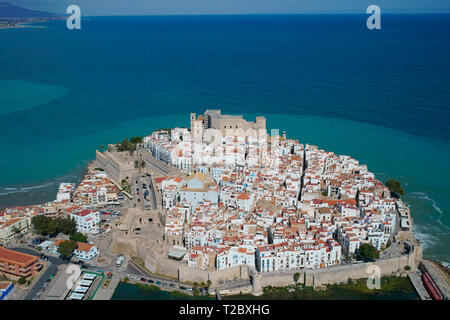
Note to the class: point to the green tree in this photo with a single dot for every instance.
(22, 281)
(136, 140)
(66, 225)
(78, 236)
(367, 252)
(65, 248)
(296, 277)
(41, 224)
(395, 187)
(142, 164)
(136, 164)
(16, 231)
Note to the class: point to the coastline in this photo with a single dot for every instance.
(133, 127)
(26, 23)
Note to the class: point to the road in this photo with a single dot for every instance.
(140, 199)
(51, 270)
(152, 192)
(134, 269)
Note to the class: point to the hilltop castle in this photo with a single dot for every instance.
(227, 124)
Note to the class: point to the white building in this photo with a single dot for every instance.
(198, 188)
(87, 220)
(84, 251)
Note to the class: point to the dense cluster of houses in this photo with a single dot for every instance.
(267, 201)
(81, 203)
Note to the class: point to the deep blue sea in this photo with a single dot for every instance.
(381, 96)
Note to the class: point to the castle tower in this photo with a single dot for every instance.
(257, 289)
(192, 122)
(197, 131)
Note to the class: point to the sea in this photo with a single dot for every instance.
(380, 96)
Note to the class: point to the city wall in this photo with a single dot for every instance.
(113, 166)
(155, 263)
(194, 275)
(342, 273)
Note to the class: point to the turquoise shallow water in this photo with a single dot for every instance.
(17, 95)
(382, 97)
(388, 153)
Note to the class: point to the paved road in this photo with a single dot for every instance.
(154, 165)
(143, 178)
(152, 192)
(135, 269)
(52, 269)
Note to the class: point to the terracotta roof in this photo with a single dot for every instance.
(9, 222)
(81, 246)
(4, 285)
(243, 196)
(16, 257)
(199, 175)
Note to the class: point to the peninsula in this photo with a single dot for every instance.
(230, 206)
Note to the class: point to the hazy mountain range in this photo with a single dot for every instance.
(11, 11)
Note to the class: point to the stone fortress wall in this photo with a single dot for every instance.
(156, 260)
(394, 266)
(114, 167)
(156, 263)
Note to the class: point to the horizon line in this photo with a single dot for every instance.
(261, 14)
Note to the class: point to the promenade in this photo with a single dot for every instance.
(418, 285)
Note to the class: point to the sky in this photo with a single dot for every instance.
(168, 7)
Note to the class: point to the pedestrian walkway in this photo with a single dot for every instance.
(108, 292)
(437, 277)
(418, 285)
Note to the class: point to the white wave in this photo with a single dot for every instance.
(424, 196)
(424, 236)
(11, 190)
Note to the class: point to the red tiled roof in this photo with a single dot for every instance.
(16, 257)
(4, 285)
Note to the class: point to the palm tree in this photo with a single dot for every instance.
(142, 164)
(102, 147)
(296, 277)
